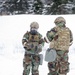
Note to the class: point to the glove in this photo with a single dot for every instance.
(48, 49)
(26, 46)
(39, 48)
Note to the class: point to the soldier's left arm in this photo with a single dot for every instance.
(51, 34)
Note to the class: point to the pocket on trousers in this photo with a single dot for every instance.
(64, 68)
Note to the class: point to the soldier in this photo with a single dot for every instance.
(60, 38)
(33, 43)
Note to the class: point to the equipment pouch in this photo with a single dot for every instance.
(41, 59)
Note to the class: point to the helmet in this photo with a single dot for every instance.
(34, 25)
(59, 19)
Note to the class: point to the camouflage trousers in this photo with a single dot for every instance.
(61, 65)
(31, 62)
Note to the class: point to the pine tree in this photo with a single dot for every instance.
(52, 7)
(16, 6)
(30, 6)
(23, 6)
(61, 7)
(38, 7)
(55, 6)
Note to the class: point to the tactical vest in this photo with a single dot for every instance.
(63, 40)
(33, 42)
(34, 38)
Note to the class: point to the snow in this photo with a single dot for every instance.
(10, 66)
(12, 29)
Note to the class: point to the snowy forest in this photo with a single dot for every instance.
(41, 7)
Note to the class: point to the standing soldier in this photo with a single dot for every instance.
(33, 43)
(60, 38)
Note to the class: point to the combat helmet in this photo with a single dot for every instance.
(34, 25)
(60, 19)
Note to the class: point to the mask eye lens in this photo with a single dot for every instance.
(34, 29)
(56, 23)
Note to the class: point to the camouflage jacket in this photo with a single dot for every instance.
(32, 42)
(60, 38)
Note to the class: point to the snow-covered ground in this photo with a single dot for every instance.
(12, 29)
(12, 65)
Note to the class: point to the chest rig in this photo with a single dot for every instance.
(33, 42)
(34, 38)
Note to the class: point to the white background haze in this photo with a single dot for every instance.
(12, 29)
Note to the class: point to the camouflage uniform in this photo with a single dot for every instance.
(32, 42)
(60, 38)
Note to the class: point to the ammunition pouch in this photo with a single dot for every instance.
(41, 59)
(33, 48)
(31, 45)
(39, 48)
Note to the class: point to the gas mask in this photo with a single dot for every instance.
(60, 24)
(33, 31)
